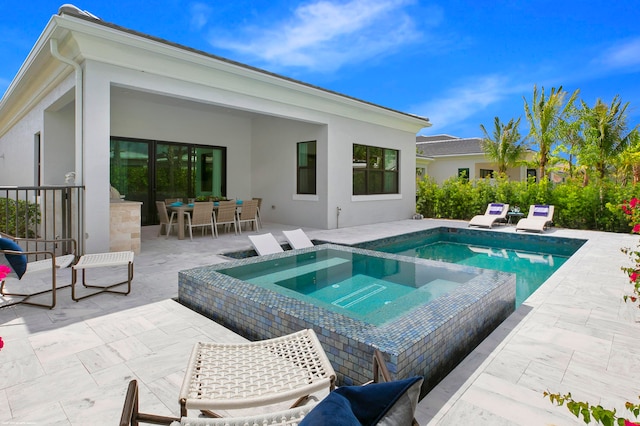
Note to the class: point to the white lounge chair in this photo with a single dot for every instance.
(265, 244)
(539, 218)
(231, 376)
(297, 239)
(496, 212)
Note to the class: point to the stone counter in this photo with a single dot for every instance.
(124, 230)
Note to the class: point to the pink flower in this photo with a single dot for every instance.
(4, 271)
(633, 276)
(634, 202)
(1, 343)
(636, 228)
(628, 423)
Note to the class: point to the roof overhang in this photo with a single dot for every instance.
(85, 38)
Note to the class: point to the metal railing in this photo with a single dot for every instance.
(44, 212)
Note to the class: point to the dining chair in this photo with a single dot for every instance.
(166, 221)
(258, 211)
(171, 200)
(248, 214)
(226, 215)
(202, 217)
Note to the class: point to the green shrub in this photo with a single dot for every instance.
(595, 206)
(19, 218)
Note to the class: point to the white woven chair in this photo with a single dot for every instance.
(117, 259)
(403, 408)
(222, 376)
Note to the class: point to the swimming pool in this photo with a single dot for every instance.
(428, 339)
(533, 258)
(372, 289)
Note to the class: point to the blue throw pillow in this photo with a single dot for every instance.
(17, 261)
(390, 403)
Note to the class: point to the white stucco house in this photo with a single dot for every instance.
(156, 119)
(443, 156)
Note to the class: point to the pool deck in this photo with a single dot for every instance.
(71, 365)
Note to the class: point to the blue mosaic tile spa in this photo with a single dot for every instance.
(421, 332)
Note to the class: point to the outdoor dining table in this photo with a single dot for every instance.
(182, 208)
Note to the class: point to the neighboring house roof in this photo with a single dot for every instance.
(445, 145)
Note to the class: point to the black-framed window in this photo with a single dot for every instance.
(486, 173)
(306, 167)
(532, 173)
(375, 170)
(463, 173)
(151, 170)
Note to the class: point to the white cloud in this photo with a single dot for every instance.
(200, 13)
(325, 35)
(467, 99)
(623, 55)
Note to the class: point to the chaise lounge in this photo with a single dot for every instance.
(496, 212)
(297, 239)
(265, 244)
(538, 219)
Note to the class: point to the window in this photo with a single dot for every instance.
(149, 170)
(375, 170)
(532, 173)
(306, 167)
(486, 173)
(463, 173)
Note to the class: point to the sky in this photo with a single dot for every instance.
(459, 63)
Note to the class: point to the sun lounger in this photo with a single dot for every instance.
(297, 239)
(265, 244)
(496, 212)
(539, 218)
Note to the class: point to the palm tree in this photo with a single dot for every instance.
(505, 147)
(605, 134)
(544, 116)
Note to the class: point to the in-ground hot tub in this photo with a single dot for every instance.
(424, 316)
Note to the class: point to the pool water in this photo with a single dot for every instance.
(369, 288)
(531, 268)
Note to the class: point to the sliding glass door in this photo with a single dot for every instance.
(147, 170)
